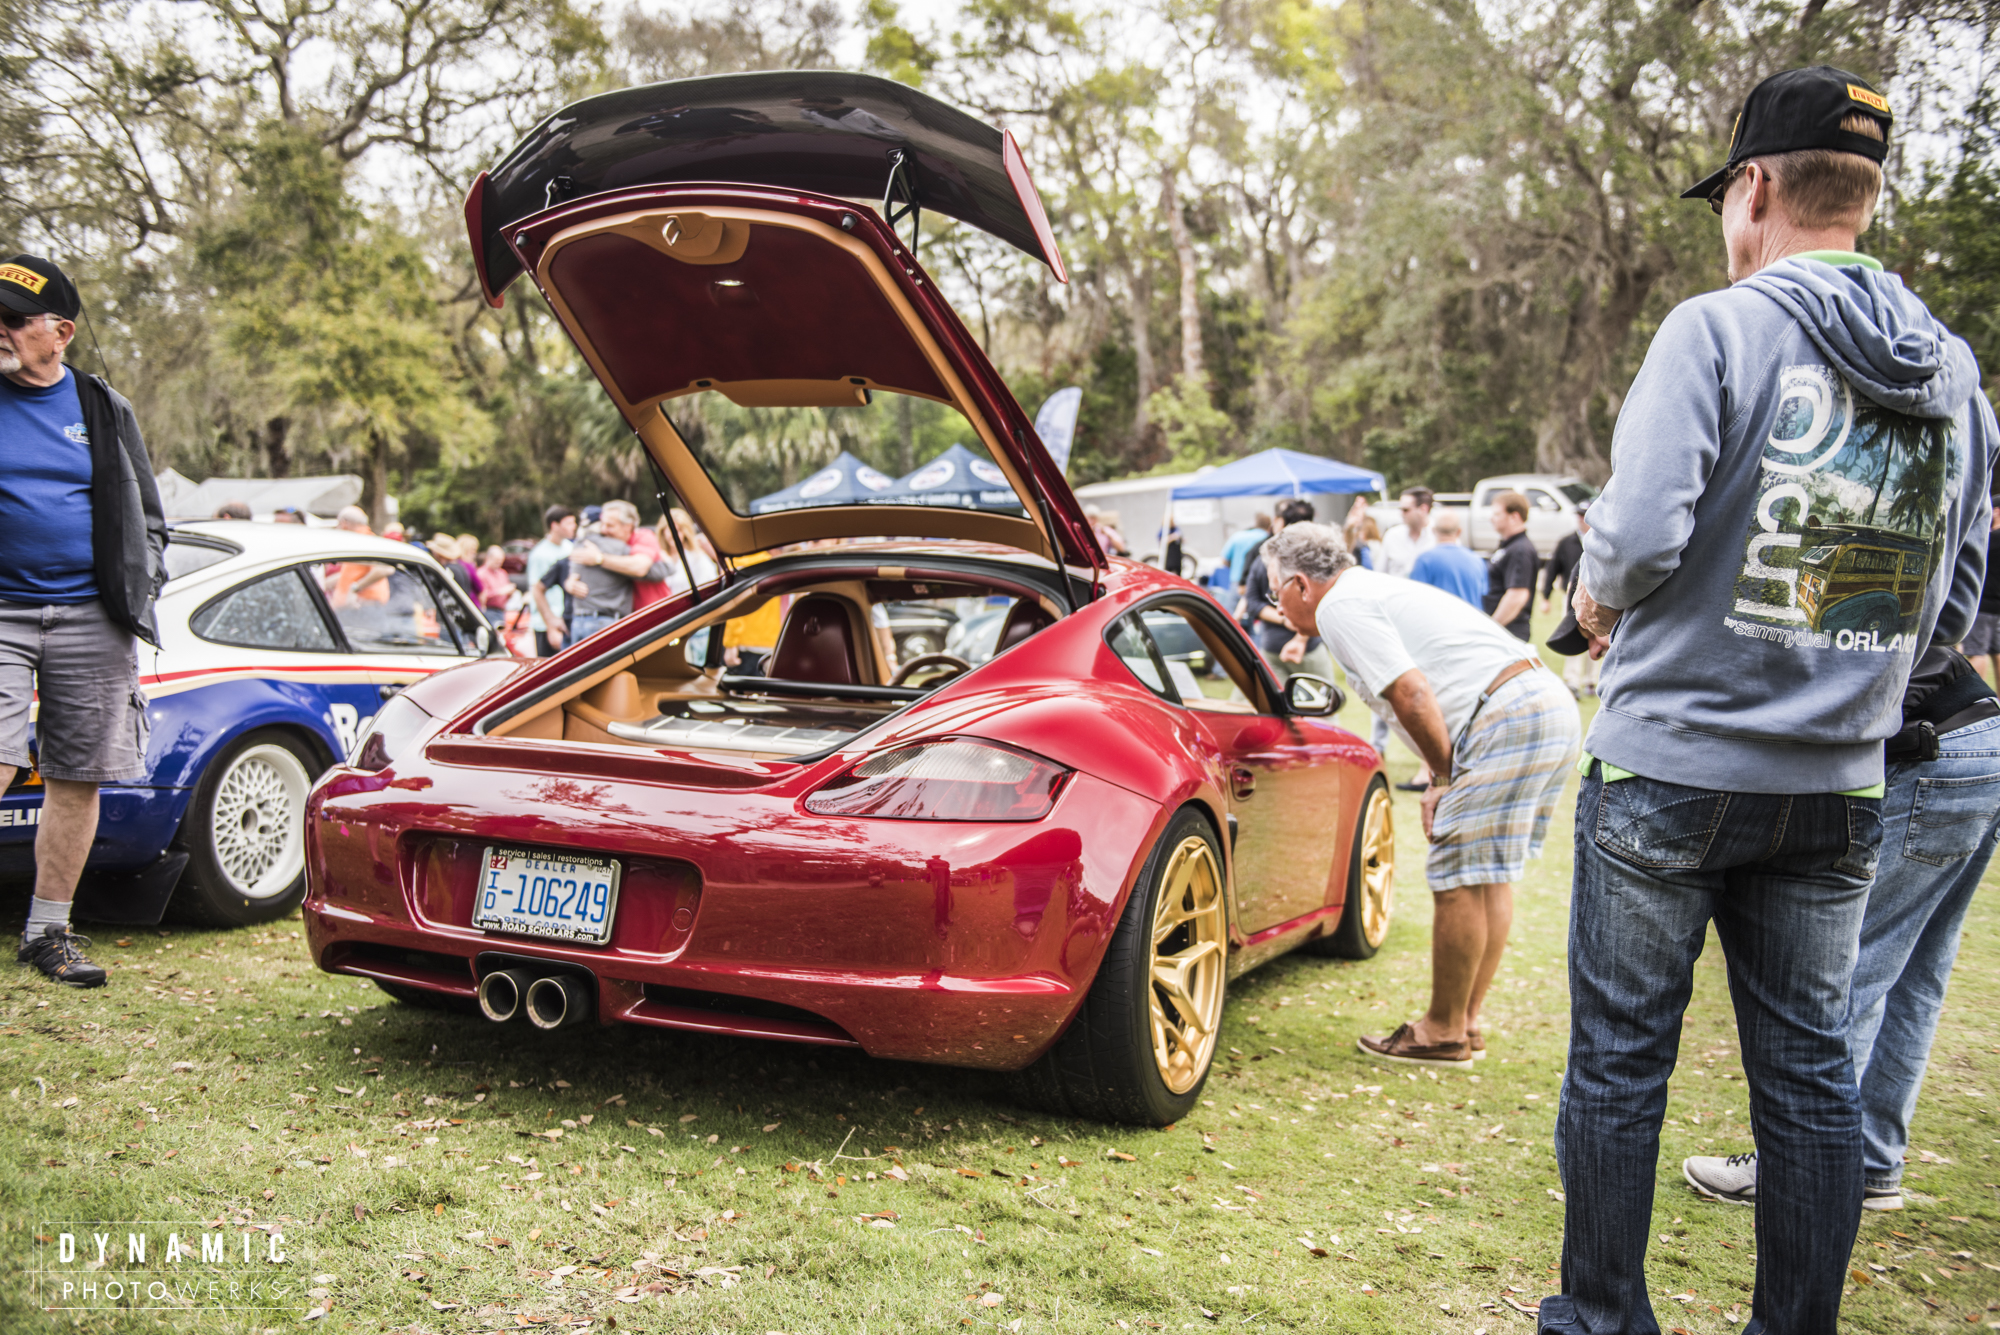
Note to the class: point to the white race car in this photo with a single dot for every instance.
(278, 643)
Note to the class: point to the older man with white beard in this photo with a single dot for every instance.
(82, 554)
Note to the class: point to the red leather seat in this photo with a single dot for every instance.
(816, 643)
(1024, 618)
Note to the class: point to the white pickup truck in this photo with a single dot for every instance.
(1552, 504)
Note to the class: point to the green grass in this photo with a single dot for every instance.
(1433, 1197)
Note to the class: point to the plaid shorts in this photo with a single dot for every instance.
(1510, 765)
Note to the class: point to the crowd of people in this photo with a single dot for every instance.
(590, 568)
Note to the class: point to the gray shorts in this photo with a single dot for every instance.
(84, 672)
(1984, 637)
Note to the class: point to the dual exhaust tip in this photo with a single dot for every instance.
(550, 1001)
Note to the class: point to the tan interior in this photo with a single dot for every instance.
(657, 687)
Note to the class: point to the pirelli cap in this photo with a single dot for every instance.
(31, 285)
(1801, 109)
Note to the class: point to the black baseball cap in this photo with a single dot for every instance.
(1801, 109)
(31, 285)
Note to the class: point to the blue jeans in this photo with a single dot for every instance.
(584, 625)
(1785, 880)
(1940, 820)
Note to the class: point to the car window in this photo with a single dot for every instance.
(276, 612)
(1206, 668)
(1576, 491)
(1486, 496)
(1541, 500)
(184, 556)
(1128, 639)
(385, 607)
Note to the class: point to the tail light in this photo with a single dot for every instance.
(955, 780)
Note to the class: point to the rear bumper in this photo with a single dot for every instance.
(955, 943)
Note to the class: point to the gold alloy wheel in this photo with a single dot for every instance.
(1190, 951)
(1378, 867)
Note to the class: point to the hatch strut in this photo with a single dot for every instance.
(899, 169)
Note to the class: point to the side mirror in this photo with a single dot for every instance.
(485, 639)
(1315, 697)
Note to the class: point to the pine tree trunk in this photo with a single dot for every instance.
(1192, 361)
(1138, 311)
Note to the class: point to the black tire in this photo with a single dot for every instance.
(257, 784)
(427, 1000)
(1371, 872)
(1104, 1066)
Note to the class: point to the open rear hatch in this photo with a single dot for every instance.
(750, 322)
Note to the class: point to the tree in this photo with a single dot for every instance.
(335, 314)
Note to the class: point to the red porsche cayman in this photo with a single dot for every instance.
(1045, 849)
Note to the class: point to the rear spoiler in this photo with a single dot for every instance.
(856, 136)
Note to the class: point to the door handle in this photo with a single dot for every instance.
(1242, 781)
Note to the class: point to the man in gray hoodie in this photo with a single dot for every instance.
(1797, 506)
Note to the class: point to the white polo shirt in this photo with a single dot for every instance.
(1379, 627)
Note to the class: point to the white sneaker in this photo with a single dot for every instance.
(1733, 1179)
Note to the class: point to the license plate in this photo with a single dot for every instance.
(560, 895)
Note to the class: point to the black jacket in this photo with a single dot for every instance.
(128, 528)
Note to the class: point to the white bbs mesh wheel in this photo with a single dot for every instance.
(257, 821)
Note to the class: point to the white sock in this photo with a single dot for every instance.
(41, 913)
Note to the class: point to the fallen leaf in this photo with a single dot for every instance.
(991, 1300)
(772, 1127)
(1121, 1156)
(688, 1117)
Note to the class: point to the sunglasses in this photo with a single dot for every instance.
(15, 320)
(1715, 199)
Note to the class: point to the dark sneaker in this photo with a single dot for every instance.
(1881, 1198)
(58, 953)
(1402, 1046)
(1733, 1179)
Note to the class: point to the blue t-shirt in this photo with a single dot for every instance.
(1450, 567)
(1237, 552)
(45, 550)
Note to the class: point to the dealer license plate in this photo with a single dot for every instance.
(560, 895)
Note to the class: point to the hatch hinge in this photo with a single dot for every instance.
(899, 170)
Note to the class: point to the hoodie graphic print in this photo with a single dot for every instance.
(1848, 526)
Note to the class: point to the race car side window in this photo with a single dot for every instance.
(384, 607)
(276, 612)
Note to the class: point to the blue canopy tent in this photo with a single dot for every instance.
(1273, 472)
(958, 478)
(845, 481)
(1281, 473)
